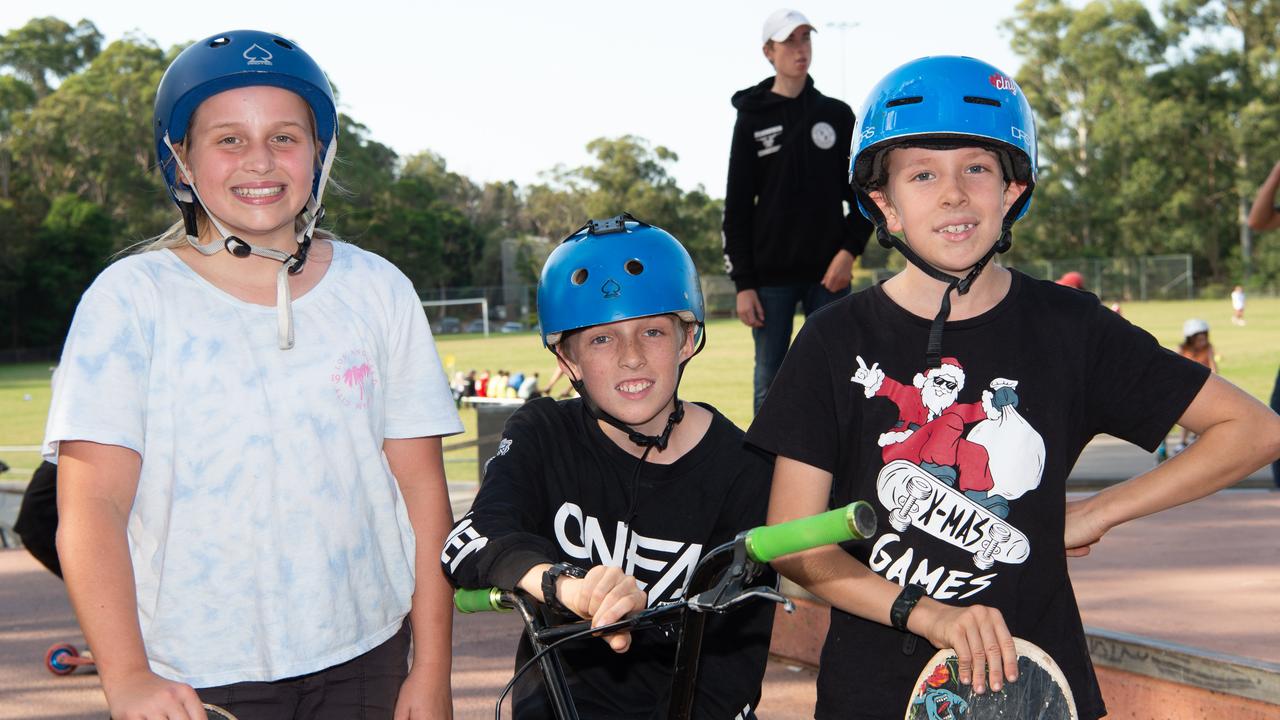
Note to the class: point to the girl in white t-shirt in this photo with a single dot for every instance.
(251, 488)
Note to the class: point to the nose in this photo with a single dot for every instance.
(631, 355)
(258, 158)
(952, 193)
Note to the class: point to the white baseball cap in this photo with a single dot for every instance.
(782, 23)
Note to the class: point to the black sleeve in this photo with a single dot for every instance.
(798, 419)
(498, 540)
(1137, 389)
(736, 650)
(857, 228)
(739, 210)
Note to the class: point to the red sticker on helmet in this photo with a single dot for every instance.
(1000, 82)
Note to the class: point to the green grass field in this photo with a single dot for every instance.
(721, 375)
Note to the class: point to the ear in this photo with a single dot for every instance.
(768, 51)
(891, 219)
(690, 344)
(1012, 191)
(567, 365)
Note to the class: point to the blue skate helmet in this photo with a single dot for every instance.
(228, 61)
(618, 269)
(944, 102)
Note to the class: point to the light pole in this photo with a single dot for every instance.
(842, 26)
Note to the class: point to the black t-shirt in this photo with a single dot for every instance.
(560, 490)
(966, 464)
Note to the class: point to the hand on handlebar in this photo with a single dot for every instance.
(604, 596)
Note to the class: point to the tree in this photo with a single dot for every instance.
(47, 47)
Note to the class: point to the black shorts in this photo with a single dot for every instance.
(363, 688)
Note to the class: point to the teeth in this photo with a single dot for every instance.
(258, 192)
(957, 228)
(633, 387)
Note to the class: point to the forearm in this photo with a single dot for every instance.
(1262, 216)
(94, 551)
(419, 470)
(1237, 435)
(841, 581)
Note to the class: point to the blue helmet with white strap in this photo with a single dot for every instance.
(232, 60)
(616, 269)
(944, 101)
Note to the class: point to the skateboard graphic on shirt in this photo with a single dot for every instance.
(1041, 691)
(917, 498)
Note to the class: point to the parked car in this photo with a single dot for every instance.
(511, 326)
(447, 325)
(475, 326)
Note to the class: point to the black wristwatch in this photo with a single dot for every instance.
(903, 606)
(549, 577)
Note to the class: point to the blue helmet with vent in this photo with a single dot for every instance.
(616, 269)
(232, 60)
(944, 101)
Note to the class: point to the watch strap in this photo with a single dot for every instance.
(549, 577)
(903, 606)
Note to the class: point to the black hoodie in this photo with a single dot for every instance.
(784, 214)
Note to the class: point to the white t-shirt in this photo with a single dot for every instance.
(268, 536)
(1237, 299)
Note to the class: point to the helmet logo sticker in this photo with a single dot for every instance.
(1000, 82)
(258, 55)
(611, 289)
(824, 136)
(1019, 134)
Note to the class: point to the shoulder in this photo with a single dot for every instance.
(732, 439)
(358, 260)
(546, 416)
(136, 273)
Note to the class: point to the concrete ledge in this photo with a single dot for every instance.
(1140, 677)
(1184, 665)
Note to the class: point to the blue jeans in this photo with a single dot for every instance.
(779, 305)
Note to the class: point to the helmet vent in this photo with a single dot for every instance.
(904, 101)
(634, 267)
(579, 276)
(219, 41)
(282, 43)
(981, 100)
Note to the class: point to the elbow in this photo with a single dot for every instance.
(1270, 437)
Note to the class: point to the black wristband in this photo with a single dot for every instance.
(903, 606)
(549, 577)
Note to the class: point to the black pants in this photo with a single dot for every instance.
(363, 688)
(37, 522)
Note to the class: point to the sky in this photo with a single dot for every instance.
(506, 89)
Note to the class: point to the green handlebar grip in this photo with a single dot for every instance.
(483, 600)
(856, 521)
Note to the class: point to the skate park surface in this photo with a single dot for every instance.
(1182, 611)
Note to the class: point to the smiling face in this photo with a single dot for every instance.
(253, 152)
(791, 57)
(630, 367)
(948, 204)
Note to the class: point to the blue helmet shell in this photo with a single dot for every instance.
(615, 270)
(231, 60)
(948, 100)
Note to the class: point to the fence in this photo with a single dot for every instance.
(1152, 277)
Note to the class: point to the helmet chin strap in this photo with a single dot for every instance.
(961, 285)
(290, 264)
(648, 442)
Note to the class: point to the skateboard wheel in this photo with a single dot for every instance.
(55, 659)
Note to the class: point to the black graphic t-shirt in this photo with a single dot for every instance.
(966, 464)
(560, 490)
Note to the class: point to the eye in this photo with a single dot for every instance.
(654, 332)
(283, 139)
(922, 176)
(978, 168)
(228, 140)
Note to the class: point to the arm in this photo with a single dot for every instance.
(96, 488)
(1263, 215)
(418, 466)
(978, 633)
(739, 210)
(502, 541)
(1238, 435)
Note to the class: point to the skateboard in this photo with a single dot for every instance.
(914, 497)
(216, 713)
(1040, 692)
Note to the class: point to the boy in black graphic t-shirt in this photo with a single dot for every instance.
(963, 439)
(602, 505)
